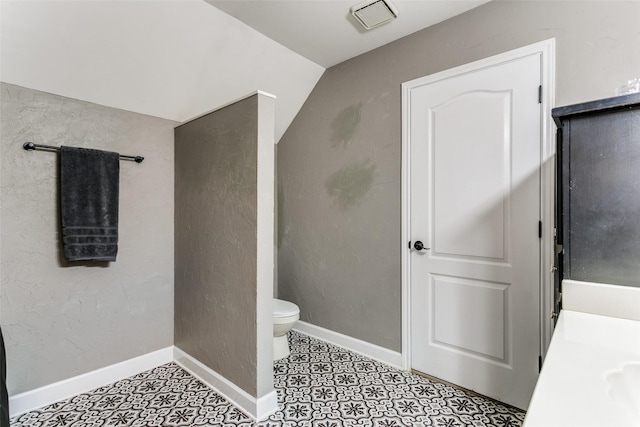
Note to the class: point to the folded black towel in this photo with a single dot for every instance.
(89, 185)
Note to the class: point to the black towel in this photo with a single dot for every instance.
(89, 184)
(4, 396)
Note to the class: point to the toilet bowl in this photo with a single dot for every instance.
(285, 315)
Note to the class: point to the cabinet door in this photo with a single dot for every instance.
(602, 198)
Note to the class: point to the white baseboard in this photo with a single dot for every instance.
(258, 409)
(356, 345)
(43, 396)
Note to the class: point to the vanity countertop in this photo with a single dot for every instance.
(573, 388)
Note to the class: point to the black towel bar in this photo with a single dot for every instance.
(30, 146)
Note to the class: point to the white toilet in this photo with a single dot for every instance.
(285, 315)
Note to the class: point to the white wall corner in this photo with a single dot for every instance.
(372, 351)
(256, 408)
(61, 390)
(265, 244)
(267, 405)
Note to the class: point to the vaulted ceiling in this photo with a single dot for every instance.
(325, 32)
(179, 58)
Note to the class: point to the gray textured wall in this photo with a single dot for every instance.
(63, 320)
(218, 303)
(339, 161)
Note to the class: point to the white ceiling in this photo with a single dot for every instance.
(324, 30)
(170, 59)
(176, 59)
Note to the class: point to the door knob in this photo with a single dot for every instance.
(418, 246)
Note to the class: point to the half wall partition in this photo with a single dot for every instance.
(224, 250)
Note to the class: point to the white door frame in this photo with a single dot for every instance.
(547, 191)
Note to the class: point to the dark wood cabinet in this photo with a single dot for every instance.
(598, 191)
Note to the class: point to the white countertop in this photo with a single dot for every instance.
(572, 389)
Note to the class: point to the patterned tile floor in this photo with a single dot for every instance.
(318, 385)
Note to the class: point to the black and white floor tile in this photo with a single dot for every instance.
(318, 385)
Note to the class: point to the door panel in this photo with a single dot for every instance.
(469, 315)
(475, 143)
(457, 201)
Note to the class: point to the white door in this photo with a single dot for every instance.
(475, 149)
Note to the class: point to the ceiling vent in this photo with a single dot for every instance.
(372, 13)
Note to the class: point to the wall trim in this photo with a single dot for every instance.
(372, 351)
(546, 49)
(43, 396)
(226, 104)
(258, 409)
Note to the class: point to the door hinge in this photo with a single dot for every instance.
(540, 229)
(540, 94)
(539, 364)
